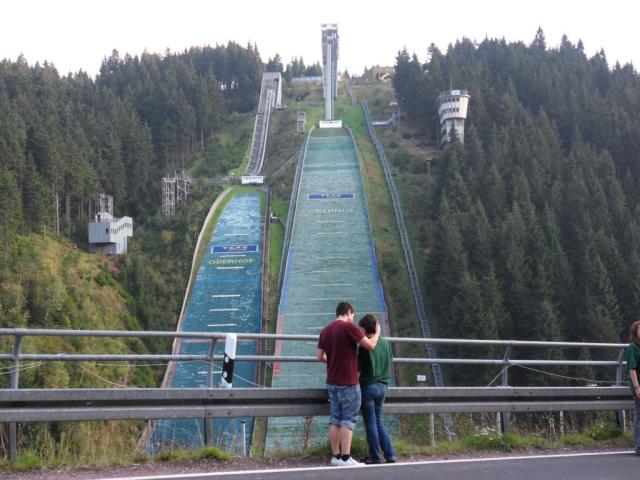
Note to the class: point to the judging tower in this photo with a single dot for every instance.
(452, 109)
(329, 67)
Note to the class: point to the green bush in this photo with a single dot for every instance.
(168, 455)
(215, 454)
(605, 431)
(140, 458)
(359, 447)
(576, 439)
(485, 441)
(27, 461)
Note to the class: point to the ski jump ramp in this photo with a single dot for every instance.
(331, 258)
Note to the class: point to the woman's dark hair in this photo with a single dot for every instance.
(634, 333)
(368, 322)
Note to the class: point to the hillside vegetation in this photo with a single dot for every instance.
(70, 138)
(531, 228)
(52, 284)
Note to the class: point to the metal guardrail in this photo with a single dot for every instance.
(40, 405)
(14, 399)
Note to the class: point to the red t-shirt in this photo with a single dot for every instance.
(339, 340)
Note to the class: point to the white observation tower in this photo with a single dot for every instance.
(452, 109)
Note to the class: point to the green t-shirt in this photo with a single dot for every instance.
(633, 360)
(375, 365)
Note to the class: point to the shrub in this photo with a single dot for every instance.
(168, 455)
(485, 441)
(215, 454)
(27, 461)
(605, 431)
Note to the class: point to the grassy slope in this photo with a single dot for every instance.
(52, 284)
(393, 273)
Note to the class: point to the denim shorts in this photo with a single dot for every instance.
(345, 403)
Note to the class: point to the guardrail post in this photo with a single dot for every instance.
(244, 438)
(505, 416)
(229, 360)
(208, 422)
(15, 381)
(620, 414)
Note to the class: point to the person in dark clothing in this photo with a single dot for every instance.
(337, 347)
(633, 368)
(375, 373)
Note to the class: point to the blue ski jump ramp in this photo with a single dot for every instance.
(331, 258)
(226, 297)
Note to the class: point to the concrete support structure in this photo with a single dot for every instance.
(329, 67)
(452, 109)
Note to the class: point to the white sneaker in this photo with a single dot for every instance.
(350, 462)
(335, 462)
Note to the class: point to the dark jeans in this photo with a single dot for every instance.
(377, 436)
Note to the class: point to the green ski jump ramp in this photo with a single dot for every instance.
(331, 258)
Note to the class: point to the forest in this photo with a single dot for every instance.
(64, 140)
(532, 228)
(73, 137)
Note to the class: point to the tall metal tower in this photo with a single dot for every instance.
(329, 67)
(175, 190)
(169, 196)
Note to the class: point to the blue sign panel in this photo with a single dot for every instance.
(331, 196)
(235, 249)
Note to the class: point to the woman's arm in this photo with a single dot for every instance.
(633, 374)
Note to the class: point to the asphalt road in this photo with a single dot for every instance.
(601, 466)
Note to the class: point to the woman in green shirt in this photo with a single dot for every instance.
(633, 367)
(375, 373)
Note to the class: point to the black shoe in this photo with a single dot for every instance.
(371, 461)
(392, 460)
(638, 451)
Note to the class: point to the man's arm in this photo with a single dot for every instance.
(321, 356)
(370, 343)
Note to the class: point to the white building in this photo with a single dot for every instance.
(108, 234)
(452, 109)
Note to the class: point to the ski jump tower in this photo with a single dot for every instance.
(329, 67)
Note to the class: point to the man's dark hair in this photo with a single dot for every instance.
(344, 308)
(368, 322)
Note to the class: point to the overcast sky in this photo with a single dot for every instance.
(78, 34)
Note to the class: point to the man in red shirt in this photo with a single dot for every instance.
(337, 347)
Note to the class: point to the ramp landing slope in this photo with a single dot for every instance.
(226, 297)
(331, 258)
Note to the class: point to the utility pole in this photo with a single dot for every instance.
(57, 215)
